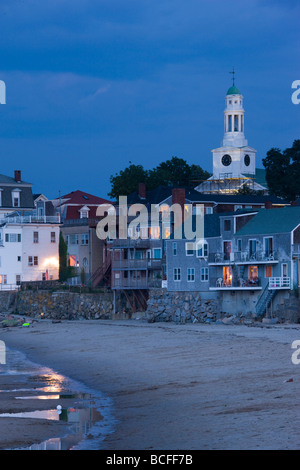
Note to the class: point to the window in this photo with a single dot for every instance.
(227, 225)
(157, 253)
(84, 239)
(239, 245)
(227, 249)
(269, 271)
(12, 237)
(191, 274)
(74, 239)
(85, 262)
(177, 274)
(208, 210)
(73, 260)
(202, 250)
(18, 258)
(15, 198)
(204, 274)
(33, 260)
(174, 248)
(252, 247)
(52, 237)
(189, 249)
(237, 207)
(268, 246)
(3, 278)
(35, 237)
(253, 271)
(155, 232)
(18, 279)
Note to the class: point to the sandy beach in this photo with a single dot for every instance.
(192, 386)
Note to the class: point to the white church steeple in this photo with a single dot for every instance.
(234, 119)
(234, 158)
(234, 161)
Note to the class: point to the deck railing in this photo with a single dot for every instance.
(279, 283)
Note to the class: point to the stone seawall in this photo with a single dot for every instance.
(62, 305)
(181, 307)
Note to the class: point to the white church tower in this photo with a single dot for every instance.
(235, 157)
(234, 161)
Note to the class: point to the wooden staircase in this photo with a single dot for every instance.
(264, 300)
(102, 274)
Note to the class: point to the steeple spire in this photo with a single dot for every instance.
(233, 78)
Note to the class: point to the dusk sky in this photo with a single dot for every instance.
(95, 84)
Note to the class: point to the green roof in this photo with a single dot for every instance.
(260, 176)
(270, 221)
(233, 90)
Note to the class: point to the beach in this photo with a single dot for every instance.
(186, 386)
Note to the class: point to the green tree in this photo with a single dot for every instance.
(173, 172)
(283, 171)
(126, 181)
(63, 258)
(65, 270)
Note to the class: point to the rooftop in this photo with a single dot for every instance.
(270, 221)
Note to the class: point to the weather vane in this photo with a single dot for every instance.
(233, 72)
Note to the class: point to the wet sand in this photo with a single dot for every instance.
(173, 386)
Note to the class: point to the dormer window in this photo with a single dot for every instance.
(15, 194)
(84, 212)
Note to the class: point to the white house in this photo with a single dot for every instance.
(28, 249)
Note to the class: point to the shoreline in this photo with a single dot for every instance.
(190, 386)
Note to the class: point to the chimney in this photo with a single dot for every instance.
(268, 205)
(142, 190)
(18, 176)
(178, 197)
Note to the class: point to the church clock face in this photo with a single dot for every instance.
(226, 160)
(247, 160)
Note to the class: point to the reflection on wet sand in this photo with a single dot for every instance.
(79, 410)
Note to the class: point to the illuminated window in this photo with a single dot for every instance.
(165, 209)
(3, 278)
(269, 271)
(155, 232)
(253, 272)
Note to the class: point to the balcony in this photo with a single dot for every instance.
(138, 264)
(234, 284)
(138, 243)
(279, 283)
(142, 283)
(242, 257)
(31, 219)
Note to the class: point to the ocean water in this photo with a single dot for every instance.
(88, 413)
